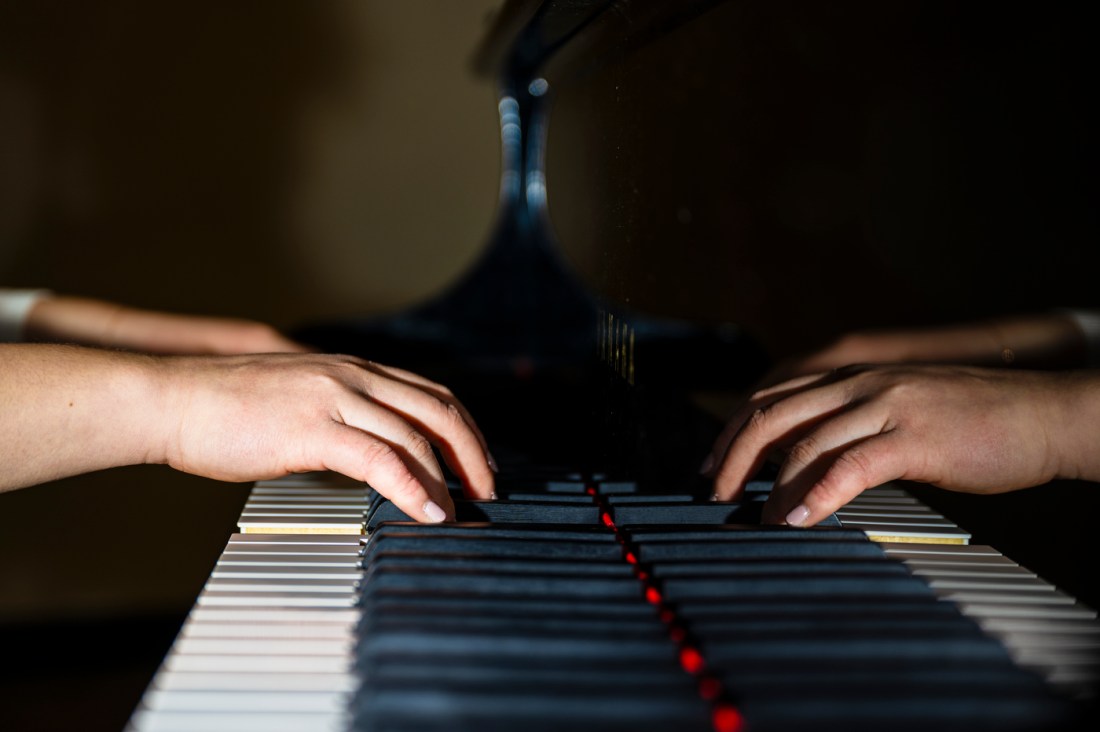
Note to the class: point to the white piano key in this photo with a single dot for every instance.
(941, 550)
(280, 600)
(275, 540)
(333, 584)
(342, 683)
(263, 646)
(994, 607)
(1016, 597)
(224, 571)
(227, 663)
(268, 614)
(987, 583)
(334, 721)
(241, 701)
(245, 629)
(335, 561)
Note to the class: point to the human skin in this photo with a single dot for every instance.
(66, 319)
(69, 409)
(957, 427)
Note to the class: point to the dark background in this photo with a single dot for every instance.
(799, 168)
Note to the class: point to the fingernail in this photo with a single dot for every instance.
(434, 513)
(493, 464)
(714, 497)
(708, 463)
(493, 496)
(798, 516)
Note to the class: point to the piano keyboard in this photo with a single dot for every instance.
(584, 604)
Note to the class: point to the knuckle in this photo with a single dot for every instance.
(379, 455)
(453, 416)
(418, 446)
(855, 463)
(804, 451)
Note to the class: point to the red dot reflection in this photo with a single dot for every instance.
(727, 719)
(691, 660)
(653, 595)
(605, 517)
(630, 558)
(710, 689)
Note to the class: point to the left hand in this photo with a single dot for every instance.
(960, 428)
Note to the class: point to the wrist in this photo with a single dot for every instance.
(1072, 425)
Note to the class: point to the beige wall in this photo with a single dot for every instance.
(278, 160)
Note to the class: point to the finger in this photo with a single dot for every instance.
(770, 426)
(872, 462)
(810, 455)
(445, 425)
(390, 427)
(366, 458)
(437, 390)
(758, 400)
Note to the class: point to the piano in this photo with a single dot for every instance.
(603, 590)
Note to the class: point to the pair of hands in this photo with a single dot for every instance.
(238, 417)
(844, 429)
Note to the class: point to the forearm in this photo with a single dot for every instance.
(65, 410)
(90, 322)
(1031, 341)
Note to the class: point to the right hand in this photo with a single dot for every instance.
(244, 418)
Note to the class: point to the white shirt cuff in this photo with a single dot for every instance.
(15, 305)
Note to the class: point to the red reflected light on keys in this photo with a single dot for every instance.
(630, 558)
(710, 689)
(727, 719)
(590, 491)
(667, 616)
(691, 660)
(605, 517)
(653, 595)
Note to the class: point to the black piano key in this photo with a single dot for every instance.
(708, 512)
(576, 649)
(718, 611)
(765, 677)
(496, 547)
(534, 606)
(680, 589)
(747, 567)
(430, 560)
(498, 710)
(616, 487)
(502, 584)
(563, 623)
(677, 551)
(540, 531)
(641, 534)
(796, 648)
(499, 512)
(622, 500)
(529, 497)
(527, 483)
(471, 674)
(906, 711)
